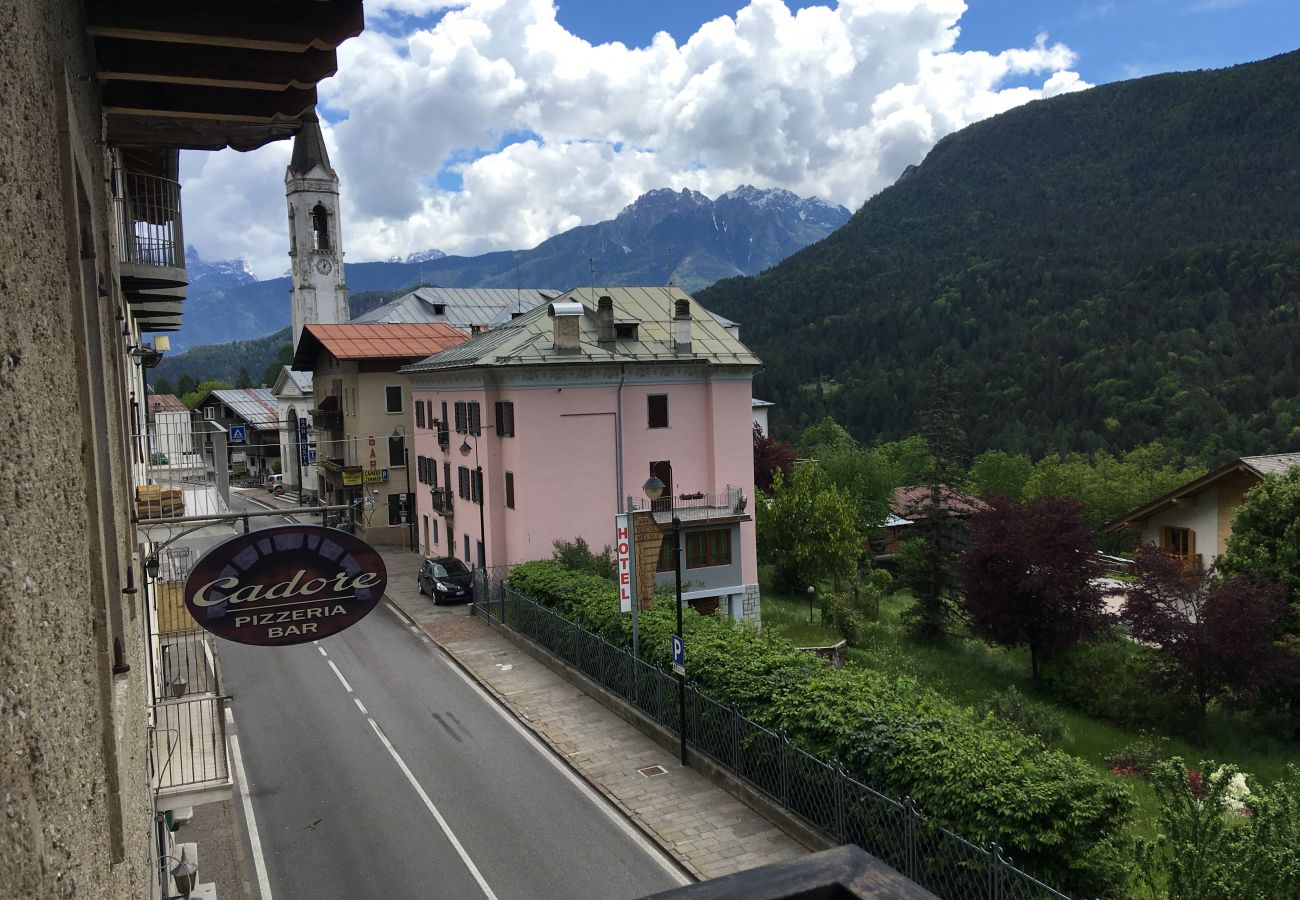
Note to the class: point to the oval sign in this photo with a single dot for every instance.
(285, 585)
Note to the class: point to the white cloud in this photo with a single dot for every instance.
(831, 101)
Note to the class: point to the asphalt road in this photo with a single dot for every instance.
(376, 769)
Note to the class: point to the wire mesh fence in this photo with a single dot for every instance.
(817, 791)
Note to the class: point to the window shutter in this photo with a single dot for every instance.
(419, 415)
(501, 419)
(510, 490)
(474, 425)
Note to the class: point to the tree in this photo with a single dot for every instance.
(808, 529)
(770, 456)
(243, 379)
(192, 398)
(186, 385)
(825, 436)
(1028, 577)
(1217, 638)
(1265, 539)
(995, 473)
(283, 356)
(163, 386)
(929, 568)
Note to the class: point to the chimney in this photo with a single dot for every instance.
(682, 326)
(566, 316)
(605, 319)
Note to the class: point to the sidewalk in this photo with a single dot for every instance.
(702, 826)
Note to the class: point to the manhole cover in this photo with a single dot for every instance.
(653, 771)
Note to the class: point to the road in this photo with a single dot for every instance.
(374, 768)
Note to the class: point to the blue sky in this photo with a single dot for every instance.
(504, 122)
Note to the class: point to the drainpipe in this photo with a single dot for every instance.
(618, 435)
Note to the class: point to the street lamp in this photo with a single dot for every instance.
(186, 875)
(812, 594)
(399, 434)
(654, 489)
(478, 487)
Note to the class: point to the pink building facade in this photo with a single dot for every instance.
(568, 410)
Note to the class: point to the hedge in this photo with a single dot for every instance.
(1056, 817)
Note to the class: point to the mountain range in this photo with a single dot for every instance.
(663, 236)
(1097, 270)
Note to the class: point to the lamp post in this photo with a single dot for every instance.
(654, 489)
(185, 875)
(399, 433)
(477, 488)
(812, 595)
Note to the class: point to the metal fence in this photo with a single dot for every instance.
(819, 792)
(188, 749)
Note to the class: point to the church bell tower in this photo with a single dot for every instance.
(315, 235)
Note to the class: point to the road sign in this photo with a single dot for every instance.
(679, 655)
(623, 550)
(302, 442)
(238, 434)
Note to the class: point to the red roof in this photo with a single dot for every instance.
(166, 403)
(376, 340)
(911, 502)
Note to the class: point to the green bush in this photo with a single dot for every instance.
(1116, 680)
(1028, 715)
(985, 780)
(1138, 757)
(576, 555)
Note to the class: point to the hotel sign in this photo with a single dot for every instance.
(285, 585)
(623, 556)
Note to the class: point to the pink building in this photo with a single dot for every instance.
(569, 409)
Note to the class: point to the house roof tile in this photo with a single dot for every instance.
(375, 340)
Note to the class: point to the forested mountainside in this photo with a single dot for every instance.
(1098, 270)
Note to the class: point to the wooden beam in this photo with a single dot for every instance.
(202, 102)
(134, 130)
(228, 67)
(284, 25)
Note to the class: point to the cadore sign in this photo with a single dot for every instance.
(285, 585)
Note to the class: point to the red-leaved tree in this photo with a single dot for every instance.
(1218, 638)
(1029, 577)
(770, 456)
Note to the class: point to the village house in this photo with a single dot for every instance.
(294, 399)
(251, 420)
(539, 430)
(99, 99)
(363, 418)
(1194, 521)
(470, 309)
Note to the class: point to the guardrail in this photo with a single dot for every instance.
(819, 792)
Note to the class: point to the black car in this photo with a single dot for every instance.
(446, 579)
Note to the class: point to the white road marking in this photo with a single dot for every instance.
(254, 838)
(212, 663)
(442, 823)
(230, 716)
(361, 706)
(346, 686)
(322, 650)
(653, 850)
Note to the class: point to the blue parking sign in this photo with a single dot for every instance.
(679, 655)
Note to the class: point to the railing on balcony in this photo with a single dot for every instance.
(188, 751)
(443, 502)
(1193, 565)
(148, 211)
(698, 506)
(327, 419)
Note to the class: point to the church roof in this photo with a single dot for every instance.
(309, 147)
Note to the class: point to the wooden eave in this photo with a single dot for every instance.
(1142, 513)
(205, 76)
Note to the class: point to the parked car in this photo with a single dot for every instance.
(446, 579)
(275, 483)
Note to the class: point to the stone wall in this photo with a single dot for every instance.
(76, 802)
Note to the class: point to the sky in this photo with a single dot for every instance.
(494, 124)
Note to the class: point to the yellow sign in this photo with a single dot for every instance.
(351, 479)
(373, 476)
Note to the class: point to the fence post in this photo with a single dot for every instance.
(785, 766)
(735, 736)
(910, 833)
(841, 825)
(996, 862)
(659, 692)
(601, 662)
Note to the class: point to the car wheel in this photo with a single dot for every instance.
(419, 586)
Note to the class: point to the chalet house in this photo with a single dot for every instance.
(169, 432)
(99, 100)
(1194, 521)
(251, 419)
(540, 429)
(363, 418)
(911, 504)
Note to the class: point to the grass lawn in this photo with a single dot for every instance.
(968, 672)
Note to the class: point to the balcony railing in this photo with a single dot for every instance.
(148, 220)
(728, 504)
(188, 752)
(443, 502)
(327, 419)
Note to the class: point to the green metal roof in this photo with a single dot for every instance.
(529, 339)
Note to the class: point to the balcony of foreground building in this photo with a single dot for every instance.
(699, 507)
(150, 240)
(189, 763)
(444, 504)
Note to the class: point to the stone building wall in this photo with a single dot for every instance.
(76, 802)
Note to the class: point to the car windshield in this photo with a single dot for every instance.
(449, 568)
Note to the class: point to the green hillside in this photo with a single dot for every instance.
(1098, 270)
